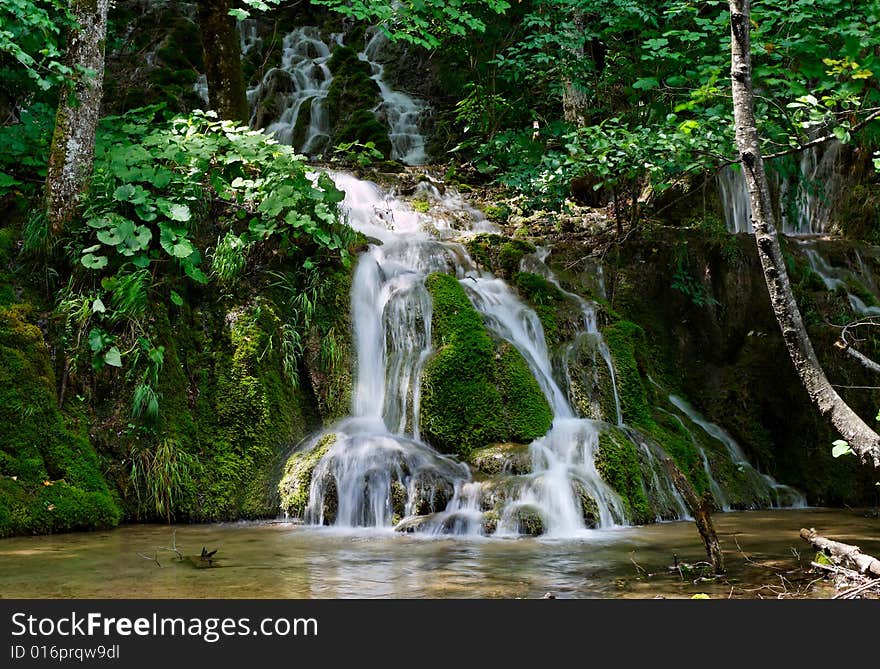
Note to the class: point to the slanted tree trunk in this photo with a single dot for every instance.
(220, 41)
(73, 142)
(701, 510)
(861, 438)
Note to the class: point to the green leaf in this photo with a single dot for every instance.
(110, 237)
(646, 84)
(175, 211)
(124, 193)
(98, 339)
(98, 306)
(195, 273)
(840, 448)
(701, 595)
(176, 298)
(182, 249)
(93, 261)
(113, 357)
(140, 261)
(7, 180)
(239, 14)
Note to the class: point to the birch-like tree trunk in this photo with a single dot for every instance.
(222, 48)
(73, 143)
(861, 438)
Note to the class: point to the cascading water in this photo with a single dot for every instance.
(300, 83)
(805, 199)
(402, 112)
(838, 278)
(779, 495)
(372, 468)
(296, 91)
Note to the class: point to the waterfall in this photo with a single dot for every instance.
(290, 100)
(373, 469)
(298, 86)
(805, 198)
(839, 278)
(779, 494)
(402, 112)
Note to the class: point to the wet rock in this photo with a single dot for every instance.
(504, 458)
(528, 520)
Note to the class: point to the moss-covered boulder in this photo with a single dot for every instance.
(498, 254)
(297, 478)
(617, 462)
(475, 391)
(351, 99)
(51, 479)
(502, 459)
(527, 519)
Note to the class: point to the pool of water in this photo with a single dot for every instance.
(764, 554)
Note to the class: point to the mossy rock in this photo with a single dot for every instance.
(297, 479)
(502, 459)
(617, 462)
(472, 394)
(351, 99)
(51, 478)
(498, 254)
(528, 520)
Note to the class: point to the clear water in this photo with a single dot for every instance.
(286, 561)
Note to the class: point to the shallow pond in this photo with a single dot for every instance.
(763, 551)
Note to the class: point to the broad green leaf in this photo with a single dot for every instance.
(840, 448)
(113, 357)
(124, 193)
(98, 339)
(98, 306)
(93, 262)
(110, 237)
(176, 298)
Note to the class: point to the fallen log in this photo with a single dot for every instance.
(849, 556)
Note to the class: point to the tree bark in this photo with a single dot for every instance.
(574, 100)
(851, 556)
(861, 438)
(222, 49)
(701, 510)
(73, 143)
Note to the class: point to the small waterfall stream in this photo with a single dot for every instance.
(805, 198)
(298, 87)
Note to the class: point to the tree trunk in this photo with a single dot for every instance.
(851, 556)
(73, 143)
(701, 510)
(861, 438)
(574, 100)
(222, 48)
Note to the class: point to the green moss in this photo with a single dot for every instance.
(618, 464)
(52, 477)
(528, 520)
(296, 481)
(474, 391)
(352, 96)
(421, 206)
(545, 299)
(528, 415)
(625, 339)
(462, 409)
(499, 254)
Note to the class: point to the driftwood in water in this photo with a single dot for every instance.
(701, 510)
(838, 553)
